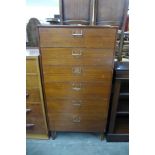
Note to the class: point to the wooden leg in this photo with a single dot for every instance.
(53, 135)
(102, 136)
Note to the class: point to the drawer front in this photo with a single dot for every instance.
(77, 56)
(76, 73)
(76, 89)
(31, 66)
(32, 81)
(78, 70)
(77, 122)
(35, 125)
(34, 110)
(77, 106)
(77, 37)
(33, 95)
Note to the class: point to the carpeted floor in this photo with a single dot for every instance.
(76, 144)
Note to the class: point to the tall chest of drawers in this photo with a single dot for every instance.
(77, 67)
(36, 125)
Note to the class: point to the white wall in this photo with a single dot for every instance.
(41, 9)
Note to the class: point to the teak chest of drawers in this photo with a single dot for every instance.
(77, 66)
(36, 126)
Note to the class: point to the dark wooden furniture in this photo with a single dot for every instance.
(77, 63)
(119, 112)
(93, 12)
(36, 126)
(76, 12)
(110, 12)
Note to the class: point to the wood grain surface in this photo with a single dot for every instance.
(77, 66)
(77, 37)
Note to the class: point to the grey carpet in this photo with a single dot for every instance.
(76, 144)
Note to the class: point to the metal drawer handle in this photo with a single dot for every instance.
(30, 125)
(76, 53)
(76, 102)
(75, 34)
(76, 70)
(76, 119)
(28, 110)
(76, 87)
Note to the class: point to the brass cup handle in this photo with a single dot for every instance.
(76, 53)
(76, 103)
(76, 34)
(76, 70)
(76, 119)
(76, 87)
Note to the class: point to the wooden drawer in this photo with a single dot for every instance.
(31, 66)
(33, 95)
(34, 110)
(32, 81)
(77, 89)
(35, 125)
(77, 56)
(77, 122)
(74, 106)
(77, 37)
(76, 73)
(77, 70)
